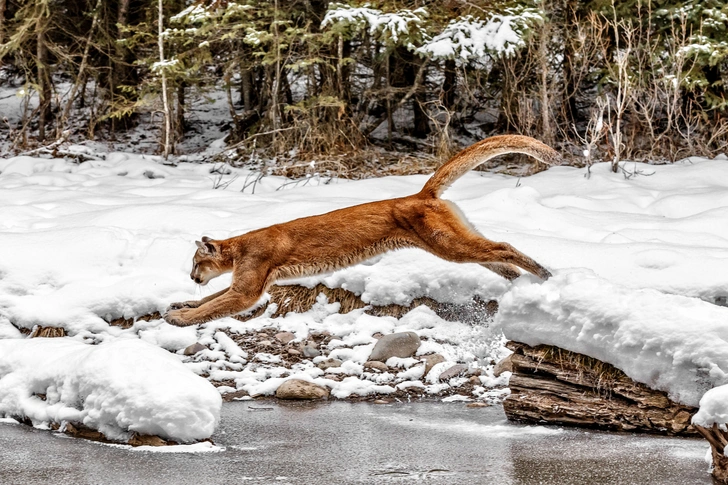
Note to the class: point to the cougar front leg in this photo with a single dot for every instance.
(230, 303)
(195, 303)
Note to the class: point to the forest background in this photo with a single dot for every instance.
(365, 88)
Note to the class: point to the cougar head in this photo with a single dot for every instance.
(207, 262)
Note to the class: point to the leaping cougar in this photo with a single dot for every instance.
(344, 237)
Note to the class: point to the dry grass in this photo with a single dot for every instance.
(588, 369)
(47, 332)
(360, 164)
(299, 299)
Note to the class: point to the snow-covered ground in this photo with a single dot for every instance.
(638, 264)
(116, 387)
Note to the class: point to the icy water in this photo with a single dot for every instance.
(352, 443)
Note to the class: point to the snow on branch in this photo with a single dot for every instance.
(192, 14)
(471, 39)
(404, 27)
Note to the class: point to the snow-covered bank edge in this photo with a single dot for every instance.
(125, 390)
(125, 227)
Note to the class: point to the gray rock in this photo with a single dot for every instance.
(431, 361)
(505, 365)
(265, 343)
(309, 351)
(329, 363)
(285, 337)
(300, 389)
(194, 348)
(453, 371)
(403, 344)
(373, 364)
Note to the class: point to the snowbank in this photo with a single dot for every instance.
(117, 387)
(638, 264)
(669, 342)
(126, 225)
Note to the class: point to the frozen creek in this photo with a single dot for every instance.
(273, 442)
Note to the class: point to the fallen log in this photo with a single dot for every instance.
(550, 385)
(718, 440)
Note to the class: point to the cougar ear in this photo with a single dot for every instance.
(206, 246)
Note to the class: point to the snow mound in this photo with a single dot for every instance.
(117, 388)
(669, 342)
(713, 408)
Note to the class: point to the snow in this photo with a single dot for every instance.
(670, 342)
(638, 264)
(712, 408)
(470, 39)
(116, 387)
(202, 447)
(390, 28)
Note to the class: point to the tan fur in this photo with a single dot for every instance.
(344, 237)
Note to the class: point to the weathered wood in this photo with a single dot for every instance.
(552, 385)
(718, 440)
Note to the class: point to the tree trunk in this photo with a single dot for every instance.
(181, 126)
(277, 74)
(167, 147)
(408, 72)
(286, 88)
(449, 84)
(390, 118)
(343, 70)
(247, 89)
(44, 79)
(3, 6)
(569, 93)
(81, 71)
(543, 58)
(265, 82)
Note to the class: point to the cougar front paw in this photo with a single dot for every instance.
(182, 304)
(179, 317)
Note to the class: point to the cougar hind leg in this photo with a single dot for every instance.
(506, 270)
(448, 237)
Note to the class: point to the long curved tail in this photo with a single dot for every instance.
(482, 151)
